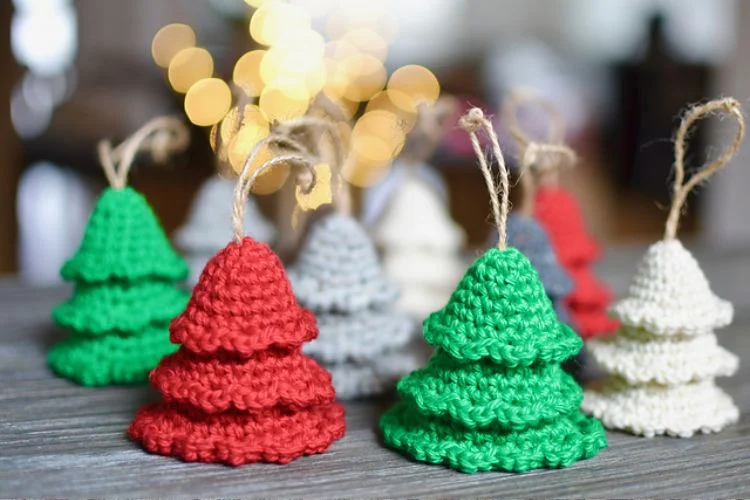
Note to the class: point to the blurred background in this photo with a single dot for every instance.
(621, 71)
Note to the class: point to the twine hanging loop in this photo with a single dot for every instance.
(473, 121)
(681, 188)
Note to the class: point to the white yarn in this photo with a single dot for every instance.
(417, 218)
(421, 246)
(663, 360)
(670, 295)
(651, 410)
(209, 228)
(640, 357)
(430, 269)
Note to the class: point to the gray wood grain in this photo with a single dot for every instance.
(61, 440)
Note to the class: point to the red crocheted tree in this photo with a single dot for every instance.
(239, 390)
(558, 211)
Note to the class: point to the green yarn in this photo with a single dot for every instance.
(114, 359)
(124, 298)
(120, 306)
(494, 395)
(124, 240)
(559, 444)
(500, 311)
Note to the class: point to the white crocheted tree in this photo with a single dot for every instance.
(663, 360)
(421, 247)
(208, 226)
(365, 345)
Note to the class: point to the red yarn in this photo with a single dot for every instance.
(558, 212)
(240, 390)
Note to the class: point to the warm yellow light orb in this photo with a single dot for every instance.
(247, 72)
(320, 194)
(362, 173)
(384, 102)
(208, 101)
(188, 66)
(378, 136)
(415, 85)
(275, 21)
(169, 40)
(256, 3)
(277, 105)
(367, 41)
(367, 76)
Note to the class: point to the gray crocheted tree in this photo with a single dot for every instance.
(529, 237)
(365, 345)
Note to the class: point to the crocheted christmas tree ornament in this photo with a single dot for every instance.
(124, 297)
(558, 212)
(239, 390)
(421, 245)
(527, 236)
(208, 226)
(494, 395)
(664, 358)
(366, 346)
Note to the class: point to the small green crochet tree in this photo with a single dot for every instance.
(125, 293)
(494, 395)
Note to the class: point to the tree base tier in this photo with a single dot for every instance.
(558, 444)
(235, 438)
(652, 410)
(111, 359)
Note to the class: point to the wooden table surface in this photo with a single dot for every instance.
(61, 440)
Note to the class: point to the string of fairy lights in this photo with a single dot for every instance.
(296, 64)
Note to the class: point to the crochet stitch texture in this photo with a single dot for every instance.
(239, 390)
(124, 296)
(208, 225)
(494, 395)
(558, 212)
(527, 236)
(363, 342)
(663, 360)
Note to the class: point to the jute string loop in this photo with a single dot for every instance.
(300, 160)
(681, 188)
(541, 156)
(161, 136)
(472, 122)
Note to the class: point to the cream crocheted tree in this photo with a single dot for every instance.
(421, 245)
(663, 360)
(208, 227)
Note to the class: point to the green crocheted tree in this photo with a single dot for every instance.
(125, 295)
(494, 395)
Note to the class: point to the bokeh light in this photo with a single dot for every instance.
(170, 40)
(278, 105)
(246, 72)
(384, 101)
(268, 182)
(362, 173)
(275, 20)
(414, 85)
(208, 101)
(320, 194)
(378, 137)
(188, 66)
